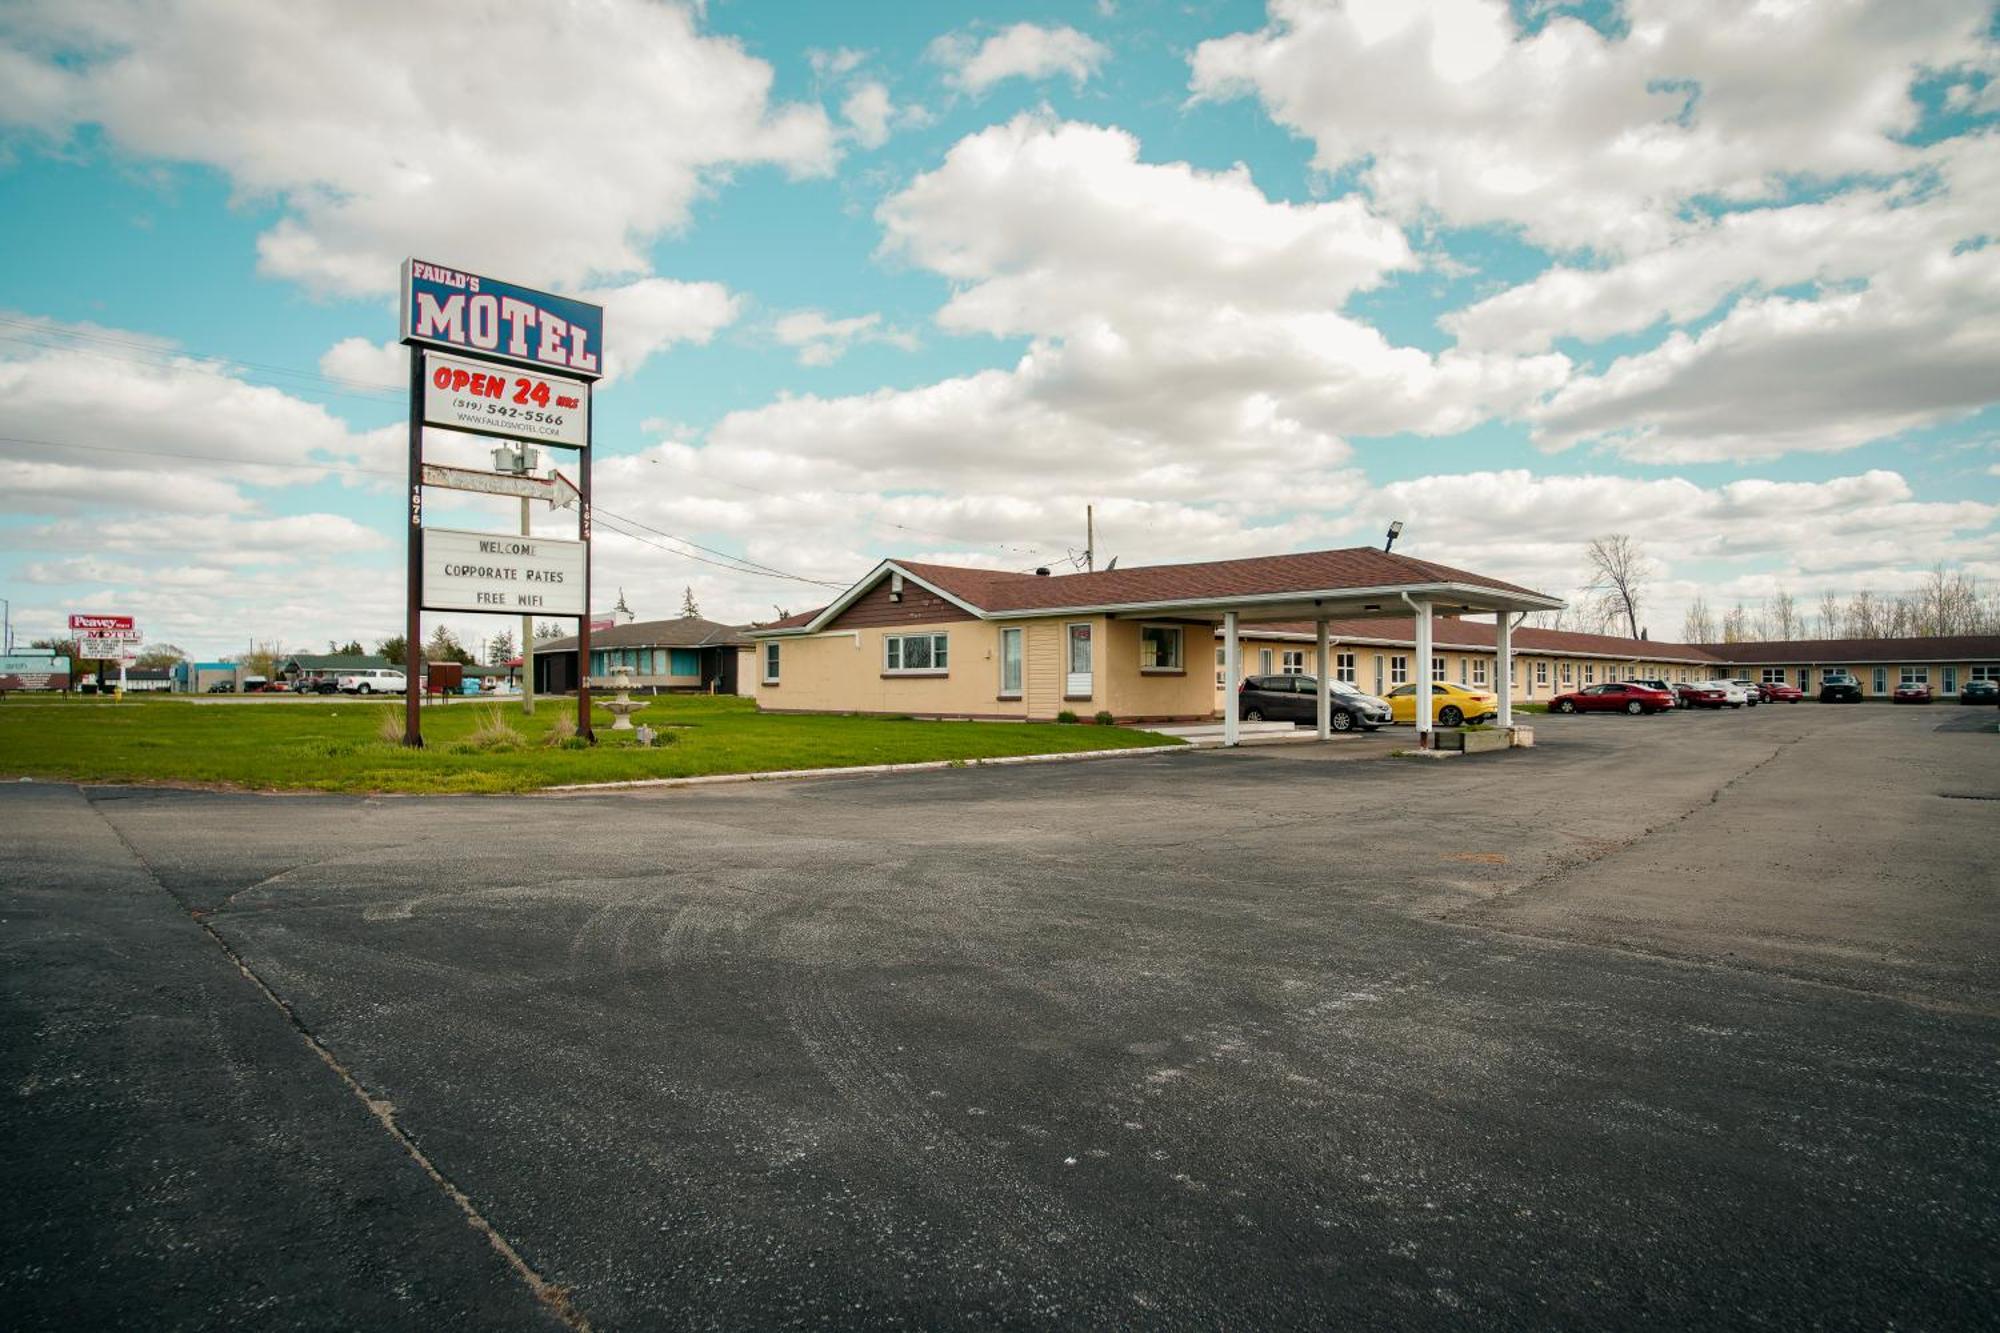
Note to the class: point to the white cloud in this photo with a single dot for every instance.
(822, 341)
(1584, 140)
(1919, 345)
(413, 129)
(1024, 51)
(869, 112)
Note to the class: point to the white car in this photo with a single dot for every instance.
(1739, 692)
(374, 681)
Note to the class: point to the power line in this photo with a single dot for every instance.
(157, 354)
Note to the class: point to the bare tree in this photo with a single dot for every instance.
(1698, 623)
(1829, 614)
(1782, 616)
(1735, 624)
(1863, 618)
(1620, 572)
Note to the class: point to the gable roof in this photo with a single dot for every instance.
(1844, 652)
(680, 632)
(336, 662)
(990, 593)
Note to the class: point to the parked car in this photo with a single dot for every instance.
(1777, 692)
(1702, 694)
(222, 687)
(1451, 705)
(316, 685)
(254, 684)
(1753, 693)
(1980, 692)
(1665, 687)
(1620, 696)
(375, 680)
(1839, 688)
(1911, 694)
(1296, 699)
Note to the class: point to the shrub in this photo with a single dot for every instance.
(1065, 716)
(494, 732)
(561, 731)
(1104, 718)
(390, 728)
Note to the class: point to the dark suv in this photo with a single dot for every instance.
(1839, 689)
(1296, 699)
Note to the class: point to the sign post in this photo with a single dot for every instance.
(107, 638)
(493, 359)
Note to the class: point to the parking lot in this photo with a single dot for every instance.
(1681, 1020)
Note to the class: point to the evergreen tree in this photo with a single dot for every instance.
(689, 609)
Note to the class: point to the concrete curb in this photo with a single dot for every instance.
(854, 771)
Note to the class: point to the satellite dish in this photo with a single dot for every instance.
(1113, 565)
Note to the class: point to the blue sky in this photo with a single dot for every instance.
(926, 280)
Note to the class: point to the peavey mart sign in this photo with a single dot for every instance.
(492, 358)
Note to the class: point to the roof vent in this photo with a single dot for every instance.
(1041, 571)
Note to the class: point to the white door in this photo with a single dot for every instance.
(1077, 685)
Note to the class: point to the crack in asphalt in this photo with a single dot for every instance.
(554, 1297)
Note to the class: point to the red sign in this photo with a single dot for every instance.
(105, 626)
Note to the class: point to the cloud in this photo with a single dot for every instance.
(395, 138)
(1584, 140)
(821, 341)
(1919, 345)
(1024, 51)
(869, 111)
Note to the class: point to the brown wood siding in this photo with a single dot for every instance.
(919, 606)
(1044, 667)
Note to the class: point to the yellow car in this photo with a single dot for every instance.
(1450, 704)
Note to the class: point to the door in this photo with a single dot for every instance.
(1045, 673)
(1077, 683)
(1805, 679)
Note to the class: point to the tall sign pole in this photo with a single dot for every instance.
(583, 626)
(413, 614)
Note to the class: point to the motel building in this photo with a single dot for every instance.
(685, 655)
(1153, 644)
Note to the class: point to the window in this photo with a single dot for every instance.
(1881, 680)
(1437, 668)
(1986, 673)
(1478, 671)
(1221, 667)
(1773, 676)
(1541, 673)
(1264, 660)
(1399, 670)
(1378, 673)
(1569, 672)
(1915, 675)
(1295, 662)
(1463, 668)
(1590, 673)
(1343, 667)
(771, 662)
(1159, 648)
(920, 654)
(1831, 673)
(1402, 692)
(1010, 663)
(1951, 680)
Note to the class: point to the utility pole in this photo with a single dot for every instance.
(1090, 538)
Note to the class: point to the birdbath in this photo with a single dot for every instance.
(622, 708)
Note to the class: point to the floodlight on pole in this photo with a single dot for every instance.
(1395, 531)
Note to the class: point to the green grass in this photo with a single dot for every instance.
(337, 746)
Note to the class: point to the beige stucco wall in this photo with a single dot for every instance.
(1526, 689)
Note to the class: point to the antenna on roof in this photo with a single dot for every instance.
(1090, 539)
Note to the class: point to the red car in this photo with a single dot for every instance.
(1781, 693)
(1911, 694)
(1621, 696)
(1702, 694)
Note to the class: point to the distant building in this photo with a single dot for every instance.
(321, 666)
(686, 653)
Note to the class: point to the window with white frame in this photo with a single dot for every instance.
(1464, 667)
(1159, 648)
(1773, 676)
(1569, 672)
(1437, 668)
(1263, 661)
(1915, 675)
(1294, 662)
(1399, 670)
(1343, 667)
(771, 662)
(1010, 663)
(1590, 673)
(1985, 673)
(1828, 673)
(1541, 673)
(1221, 666)
(916, 654)
(1950, 675)
(1478, 671)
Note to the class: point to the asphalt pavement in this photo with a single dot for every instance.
(1678, 1021)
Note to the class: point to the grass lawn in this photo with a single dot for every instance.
(281, 744)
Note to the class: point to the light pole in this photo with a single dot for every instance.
(6, 626)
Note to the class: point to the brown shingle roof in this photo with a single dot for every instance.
(1843, 652)
(682, 632)
(1449, 632)
(1264, 575)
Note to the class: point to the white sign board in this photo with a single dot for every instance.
(512, 401)
(487, 571)
(114, 650)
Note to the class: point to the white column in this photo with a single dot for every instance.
(1424, 723)
(1503, 641)
(1232, 677)
(1325, 682)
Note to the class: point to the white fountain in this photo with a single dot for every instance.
(622, 707)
